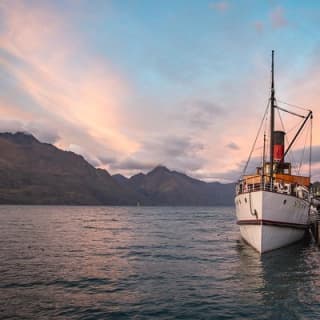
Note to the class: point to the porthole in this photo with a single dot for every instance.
(284, 201)
(245, 200)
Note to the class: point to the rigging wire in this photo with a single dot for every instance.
(288, 111)
(265, 140)
(310, 147)
(304, 149)
(290, 154)
(293, 113)
(255, 140)
(294, 106)
(298, 166)
(286, 137)
(293, 128)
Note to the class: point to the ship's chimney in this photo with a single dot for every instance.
(278, 147)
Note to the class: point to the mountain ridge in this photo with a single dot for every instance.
(32, 172)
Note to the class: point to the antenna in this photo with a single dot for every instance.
(272, 99)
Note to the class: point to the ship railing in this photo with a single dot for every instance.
(253, 184)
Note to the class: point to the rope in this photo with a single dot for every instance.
(310, 148)
(290, 153)
(286, 137)
(255, 141)
(293, 128)
(293, 105)
(303, 152)
(293, 113)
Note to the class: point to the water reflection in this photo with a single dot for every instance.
(283, 280)
(147, 263)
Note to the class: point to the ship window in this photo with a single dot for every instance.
(284, 201)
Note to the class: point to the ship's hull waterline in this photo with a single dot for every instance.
(270, 220)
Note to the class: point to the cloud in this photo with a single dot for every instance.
(234, 173)
(316, 154)
(303, 153)
(232, 146)
(9, 125)
(258, 25)
(172, 146)
(161, 103)
(42, 131)
(133, 164)
(89, 157)
(76, 98)
(224, 177)
(278, 19)
(176, 152)
(221, 6)
(39, 130)
(105, 160)
(74, 139)
(201, 114)
(315, 174)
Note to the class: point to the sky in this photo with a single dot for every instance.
(132, 84)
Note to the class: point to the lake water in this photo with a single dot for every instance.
(147, 263)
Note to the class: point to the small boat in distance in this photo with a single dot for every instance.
(272, 204)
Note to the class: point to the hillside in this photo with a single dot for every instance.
(166, 187)
(32, 172)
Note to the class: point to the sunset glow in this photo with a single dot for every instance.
(133, 84)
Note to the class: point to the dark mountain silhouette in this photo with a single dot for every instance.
(32, 172)
(165, 187)
(122, 180)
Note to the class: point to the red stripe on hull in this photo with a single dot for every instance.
(272, 223)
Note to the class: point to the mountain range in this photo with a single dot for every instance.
(32, 172)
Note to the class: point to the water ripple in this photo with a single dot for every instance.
(147, 263)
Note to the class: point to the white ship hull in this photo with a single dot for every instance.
(270, 220)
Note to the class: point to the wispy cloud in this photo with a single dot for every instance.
(39, 129)
(88, 156)
(221, 6)
(278, 19)
(49, 65)
(132, 165)
(128, 91)
(232, 146)
(202, 113)
(176, 152)
(259, 27)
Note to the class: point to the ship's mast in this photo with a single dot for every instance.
(272, 100)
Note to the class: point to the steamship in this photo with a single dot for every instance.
(272, 204)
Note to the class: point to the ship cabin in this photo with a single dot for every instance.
(283, 180)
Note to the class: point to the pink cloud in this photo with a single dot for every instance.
(304, 92)
(83, 100)
(221, 6)
(277, 17)
(40, 45)
(258, 25)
